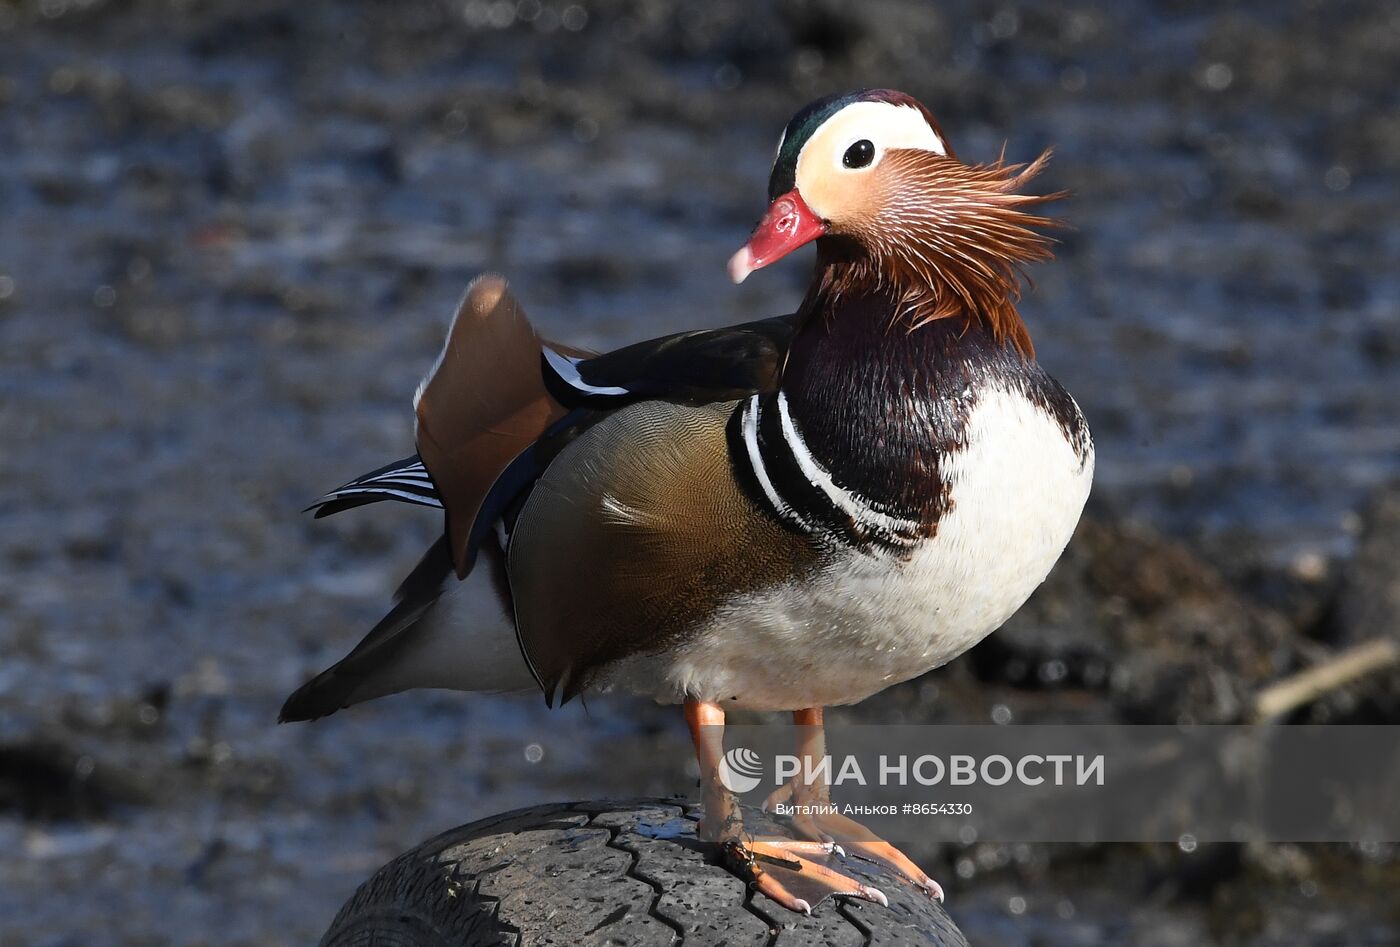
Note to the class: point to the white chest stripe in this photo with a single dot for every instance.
(760, 470)
(567, 370)
(854, 505)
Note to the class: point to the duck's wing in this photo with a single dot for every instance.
(696, 367)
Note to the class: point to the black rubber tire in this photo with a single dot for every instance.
(607, 873)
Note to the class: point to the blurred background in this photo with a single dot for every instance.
(232, 234)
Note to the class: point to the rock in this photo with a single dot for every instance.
(1368, 602)
(1367, 609)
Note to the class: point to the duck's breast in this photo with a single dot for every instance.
(874, 617)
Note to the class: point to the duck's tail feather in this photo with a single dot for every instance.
(406, 480)
(440, 633)
(333, 688)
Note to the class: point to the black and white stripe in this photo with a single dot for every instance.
(407, 481)
(775, 465)
(752, 453)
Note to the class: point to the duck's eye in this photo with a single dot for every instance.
(860, 154)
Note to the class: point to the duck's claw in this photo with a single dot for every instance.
(792, 873)
(851, 838)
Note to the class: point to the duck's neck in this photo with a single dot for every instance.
(880, 404)
(915, 295)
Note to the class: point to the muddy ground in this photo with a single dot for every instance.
(231, 235)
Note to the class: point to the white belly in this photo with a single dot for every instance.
(874, 619)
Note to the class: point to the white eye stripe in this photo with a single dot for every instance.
(821, 176)
(887, 126)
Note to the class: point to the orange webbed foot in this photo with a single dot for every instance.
(851, 838)
(793, 872)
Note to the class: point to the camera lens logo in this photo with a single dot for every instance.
(740, 770)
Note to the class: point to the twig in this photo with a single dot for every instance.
(1307, 686)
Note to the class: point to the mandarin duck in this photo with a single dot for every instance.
(782, 515)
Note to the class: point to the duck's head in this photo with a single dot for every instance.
(870, 175)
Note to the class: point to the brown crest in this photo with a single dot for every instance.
(949, 238)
